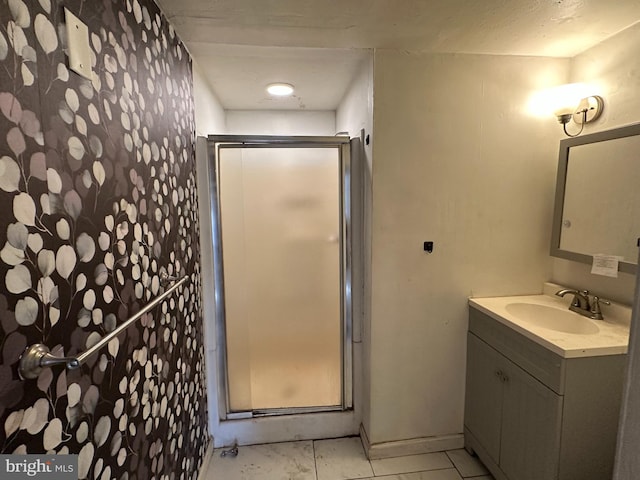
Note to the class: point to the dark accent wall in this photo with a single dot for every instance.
(97, 199)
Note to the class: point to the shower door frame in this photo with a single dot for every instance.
(342, 144)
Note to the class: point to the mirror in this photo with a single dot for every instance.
(597, 205)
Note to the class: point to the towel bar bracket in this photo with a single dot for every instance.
(38, 356)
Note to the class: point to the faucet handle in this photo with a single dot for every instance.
(595, 307)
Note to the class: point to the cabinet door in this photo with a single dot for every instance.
(483, 402)
(531, 417)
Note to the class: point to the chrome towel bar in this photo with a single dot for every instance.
(38, 356)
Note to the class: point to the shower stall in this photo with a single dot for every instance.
(280, 241)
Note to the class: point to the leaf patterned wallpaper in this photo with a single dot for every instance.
(97, 199)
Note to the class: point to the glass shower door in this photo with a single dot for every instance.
(281, 223)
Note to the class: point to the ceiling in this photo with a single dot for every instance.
(239, 74)
(241, 45)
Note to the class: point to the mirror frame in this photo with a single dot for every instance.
(563, 159)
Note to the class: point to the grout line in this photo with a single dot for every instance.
(315, 462)
(454, 464)
(395, 475)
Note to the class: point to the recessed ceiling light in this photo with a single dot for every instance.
(280, 89)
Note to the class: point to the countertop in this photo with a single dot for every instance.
(612, 337)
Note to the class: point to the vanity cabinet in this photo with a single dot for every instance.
(533, 415)
(514, 416)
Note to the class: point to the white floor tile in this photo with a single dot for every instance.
(446, 474)
(467, 465)
(411, 463)
(276, 461)
(341, 459)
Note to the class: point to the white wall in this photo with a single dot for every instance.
(210, 116)
(210, 119)
(355, 115)
(281, 122)
(614, 67)
(457, 161)
(355, 111)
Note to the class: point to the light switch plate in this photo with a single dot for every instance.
(78, 45)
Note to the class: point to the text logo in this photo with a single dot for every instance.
(50, 467)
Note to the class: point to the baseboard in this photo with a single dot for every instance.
(414, 446)
(202, 474)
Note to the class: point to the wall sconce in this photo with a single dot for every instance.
(588, 109)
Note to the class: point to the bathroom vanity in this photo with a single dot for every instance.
(543, 387)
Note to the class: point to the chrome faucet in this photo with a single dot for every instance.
(582, 303)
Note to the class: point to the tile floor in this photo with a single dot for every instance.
(339, 459)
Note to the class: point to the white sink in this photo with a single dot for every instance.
(551, 318)
(546, 320)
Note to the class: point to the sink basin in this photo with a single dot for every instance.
(552, 318)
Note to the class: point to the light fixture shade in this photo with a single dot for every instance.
(280, 89)
(564, 99)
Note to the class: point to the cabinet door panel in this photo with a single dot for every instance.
(483, 403)
(531, 419)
